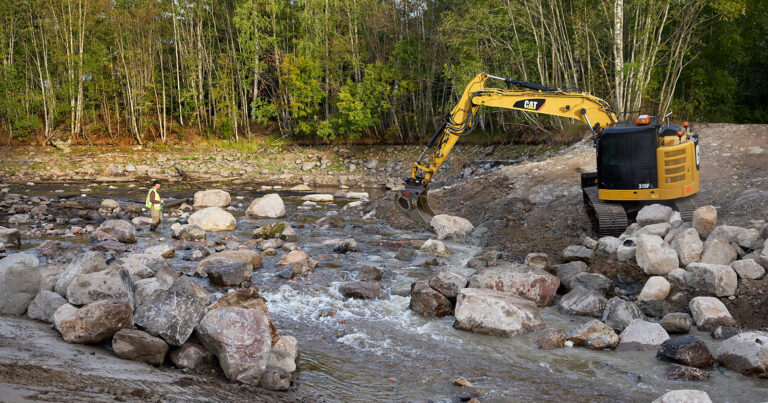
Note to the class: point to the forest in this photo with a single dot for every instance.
(143, 71)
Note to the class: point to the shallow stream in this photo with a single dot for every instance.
(379, 350)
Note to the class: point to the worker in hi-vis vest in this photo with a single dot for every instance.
(154, 204)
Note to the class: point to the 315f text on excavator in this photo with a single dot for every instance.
(638, 162)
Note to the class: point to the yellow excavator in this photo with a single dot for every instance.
(638, 163)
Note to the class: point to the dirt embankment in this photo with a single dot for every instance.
(538, 206)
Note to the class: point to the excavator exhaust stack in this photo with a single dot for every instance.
(412, 201)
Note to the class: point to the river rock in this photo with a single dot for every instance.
(318, 197)
(595, 282)
(109, 204)
(435, 247)
(105, 284)
(748, 269)
(293, 257)
(748, 238)
(246, 298)
(240, 338)
(581, 301)
(189, 286)
(213, 219)
(550, 339)
(19, 219)
(619, 313)
(187, 232)
(725, 332)
(369, 273)
(275, 378)
(135, 345)
(405, 254)
(718, 251)
(448, 282)
(346, 246)
(608, 245)
(577, 252)
(145, 289)
(423, 259)
(212, 198)
(267, 206)
(171, 315)
(595, 335)
(141, 221)
(428, 302)
(62, 313)
(688, 246)
(676, 372)
(494, 312)
(686, 350)
(275, 230)
(684, 396)
(89, 262)
(709, 313)
(532, 284)
(746, 353)
(110, 246)
(45, 305)
(244, 256)
(653, 214)
(447, 226)
(659, 229)
(10, 236)
(165, 251)
(192, 356)
(228, 272)
(331, 221)
(715, 279)
(361, 289)
(19, 282)
(95, 322)
(656, 288)
(538, 261)
(285, 354)
(567, 272)
(115, 230)
(641, 335)
(654, 256)
(677, 322)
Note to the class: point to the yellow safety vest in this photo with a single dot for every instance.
(149, 204)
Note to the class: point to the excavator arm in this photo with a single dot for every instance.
(536, 98)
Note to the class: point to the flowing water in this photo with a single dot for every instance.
(379, 350)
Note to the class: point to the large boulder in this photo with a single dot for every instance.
(448, 282)
(642, 335)
(578, 252)
(187, 232)
(748, 238)
(619, 313)
(684, 396)
(428, 302)
(244, 256)
(447, 226)
(212, 198)
(318, 198)
(532, 284)
(45, 305)
(567, 273)
(705, 220)
(95, 322)
(267, 206)
(688, 246)
(213, 219)
(241, 340)
(715, 279)
(171, 315)
(145, 289)
(538, 261)
(595, 282)
(115, 230)
(189, 286)
(595, 335)
(226, 272)
(435, 247)
(686, 350)
(677, 322)
(608, 245)
(10, 236)
(581, 301)
(361, 289)
(486, 311)
(19, 282)
(135, 345)
(656, 288)
(654, 214)
(105, 284)
(746, 353)
(748, 269)
(246, 298)
(718, 251)
(709, 313)
(655, 256)
(89, 262)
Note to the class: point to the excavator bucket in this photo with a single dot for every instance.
(412, 201)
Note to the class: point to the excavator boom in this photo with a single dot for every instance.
(595, 112)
